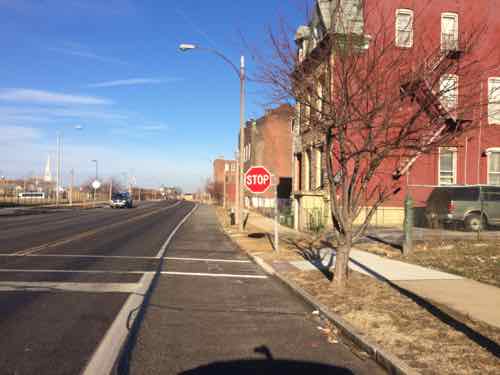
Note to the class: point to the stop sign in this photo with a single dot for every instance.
(257, 179)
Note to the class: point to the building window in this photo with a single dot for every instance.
(447, 166)
(449, 31)
(449, 91)
(494, 167)
(319, 99)
(307, 171)
(319, 168)
(404, 28)
(494, 100)
(298, 172)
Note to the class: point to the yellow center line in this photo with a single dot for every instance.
(86, 234)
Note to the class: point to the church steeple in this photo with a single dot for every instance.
(47, 175)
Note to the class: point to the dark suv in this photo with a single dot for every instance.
(121, 200)
(473, 206)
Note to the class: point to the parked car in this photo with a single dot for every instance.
(121, 200)
(474, 207)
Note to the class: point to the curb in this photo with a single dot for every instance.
(389, 362)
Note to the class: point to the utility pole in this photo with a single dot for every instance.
(110, 189)
(224, 189)
(239, 183)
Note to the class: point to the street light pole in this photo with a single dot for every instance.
(242, 77)
(242, 143)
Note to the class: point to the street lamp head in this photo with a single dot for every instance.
(187, 47)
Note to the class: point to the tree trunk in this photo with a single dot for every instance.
(341, 266)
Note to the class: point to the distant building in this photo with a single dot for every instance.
(224, 182)
(268, 143)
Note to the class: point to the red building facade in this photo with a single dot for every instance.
(414, 26)
(224, 187)
(268, 143)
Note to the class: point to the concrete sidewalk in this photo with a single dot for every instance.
(461, 295)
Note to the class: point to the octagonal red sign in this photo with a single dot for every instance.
(258, 179)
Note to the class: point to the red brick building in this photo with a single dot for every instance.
(224, 185)
(473, 158)
(268, 143)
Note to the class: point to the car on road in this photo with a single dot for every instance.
(475, 207)
(121, 200)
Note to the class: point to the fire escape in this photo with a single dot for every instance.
(421, 90)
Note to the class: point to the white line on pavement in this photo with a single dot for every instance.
(77, 256)
(20, 270)
(209, 260)
(161, 253)
(105, 357)
(172, 273)
(12, 286)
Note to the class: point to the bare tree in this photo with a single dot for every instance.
(375, 107)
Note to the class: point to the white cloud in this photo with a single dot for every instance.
(80, 51)
(127, 82)
(47, 97)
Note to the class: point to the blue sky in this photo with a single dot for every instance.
(113, 68)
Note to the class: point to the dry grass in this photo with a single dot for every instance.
(403, 327)
(479, 261)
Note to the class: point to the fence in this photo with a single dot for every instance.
(284, 210)
(14, 200)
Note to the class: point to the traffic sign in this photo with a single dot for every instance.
(258, 179)
(96, 185)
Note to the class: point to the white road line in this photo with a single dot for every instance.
(77, 256)
(12, 286)
(161, 253)
(20, 270)
(172, 273)
(210, 260)
(105, 357)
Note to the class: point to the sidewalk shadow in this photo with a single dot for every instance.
(269, 365)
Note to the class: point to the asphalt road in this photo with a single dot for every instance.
(213, 311)
(66, 274)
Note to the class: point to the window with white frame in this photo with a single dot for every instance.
(319, 168)
(319, 99)
(494, 100)
(307, 171)
(449, 91)
(404, 28)
(494, 167)
(449, 31)
(447, 166)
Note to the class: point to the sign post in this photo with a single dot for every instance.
(96, 185)
(276, 215)
(258, 180)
